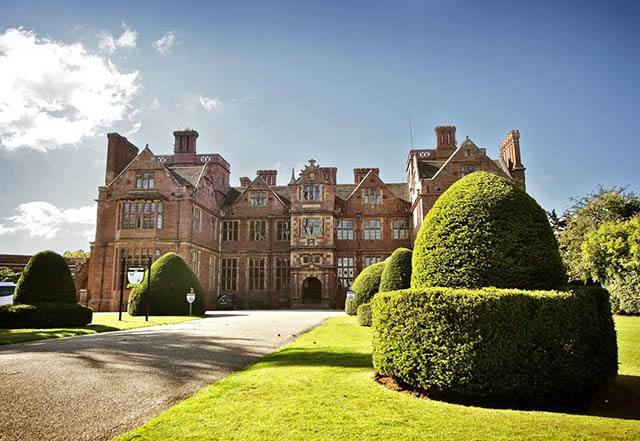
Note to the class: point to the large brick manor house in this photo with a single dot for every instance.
(273, 245)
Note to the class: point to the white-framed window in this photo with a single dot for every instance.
(310, 192)
(345, 230)
(258, 199)
(229, 274)
(372, 196)
(400, 229)
(195, 262)
(256, 274)
(372, 229)
(346, 271)
(230, 231)
(257, 230)
(212, 272)
(136, 215)
(144, 180)
(197, 219)
(311, 226)
(370, 260)
(282, 273)
(282, 231)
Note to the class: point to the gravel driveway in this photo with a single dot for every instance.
(98, 386)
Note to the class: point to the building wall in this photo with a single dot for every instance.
(198, 202)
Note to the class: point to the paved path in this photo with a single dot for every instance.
(98, 386)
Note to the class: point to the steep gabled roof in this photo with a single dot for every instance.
(427, 169)
(258, 179)
(467, 143)
(400, 191)
(188, 175)
(176, 177)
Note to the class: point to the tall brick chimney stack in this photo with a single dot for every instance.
(510, 155)
(445, 137)
(120, 152)
(245, 182)
(360, 173)
(185, 141)
(269, 176)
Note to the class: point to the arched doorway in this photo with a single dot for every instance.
(312, 290)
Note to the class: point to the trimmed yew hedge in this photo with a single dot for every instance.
(171, 279)
(397, 271)
(45, 279)
(366, 284)
(497, 347)
(45, 315)
(364, 314)
(484, 231)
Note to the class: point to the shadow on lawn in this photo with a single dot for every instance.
(618, 400)
(306, 357)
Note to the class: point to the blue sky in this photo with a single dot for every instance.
(272, 84)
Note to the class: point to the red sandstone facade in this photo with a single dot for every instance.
(273, 245)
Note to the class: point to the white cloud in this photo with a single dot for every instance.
(42, 219)
(135, 128)
(165, 43)
(128, 39)
(155, 104)
(547, 179)
(208, 103)
(54, 94)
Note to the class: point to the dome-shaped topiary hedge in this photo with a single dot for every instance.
(397, 271)
(366, 284)
(484, 231)
(45, 279)
(497, 347)
(171, 279)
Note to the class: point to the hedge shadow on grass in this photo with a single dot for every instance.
(308, 357)
(621, 399)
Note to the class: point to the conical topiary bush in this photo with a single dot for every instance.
(45, 279)
(484, 231)
(171, 279)
(397, 271)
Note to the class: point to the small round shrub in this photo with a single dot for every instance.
(364, 314)
(484, 231)
(497, 347)
(367, 284)
(397, 271)
(46, 278)
(171, 279)
(44, 315)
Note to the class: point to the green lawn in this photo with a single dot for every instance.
(102, 322)
(320, 387)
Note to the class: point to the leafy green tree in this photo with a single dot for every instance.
(78, 253)
(587, 214)
(8, 275)
(612, 254)
(558, 223)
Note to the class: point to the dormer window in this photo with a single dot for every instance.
(311, 192)
(258, 199)
(144, 180)
(372, 196)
